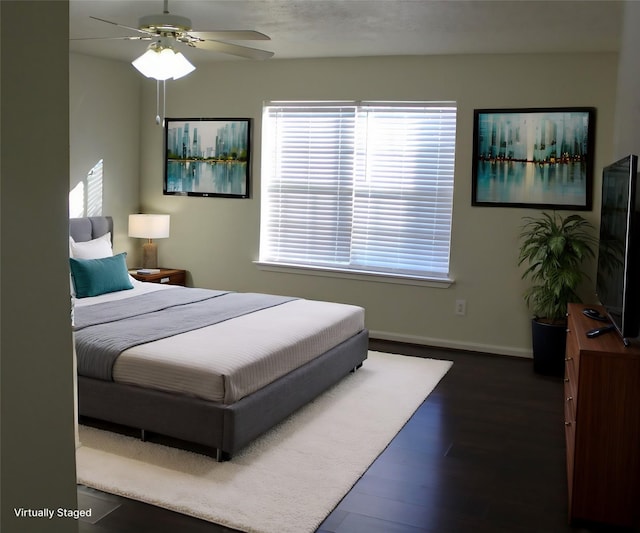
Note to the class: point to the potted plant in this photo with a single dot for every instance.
(555, 249)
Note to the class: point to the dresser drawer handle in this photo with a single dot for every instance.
(566, 380)
(568, 358)
(567, 423)
(570, 398)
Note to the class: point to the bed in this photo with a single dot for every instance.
(218, 384)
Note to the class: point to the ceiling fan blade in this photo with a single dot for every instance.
(128, 38)
(231, 35)
(233, 49)
(121, 25)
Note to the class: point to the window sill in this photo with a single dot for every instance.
(440, 283)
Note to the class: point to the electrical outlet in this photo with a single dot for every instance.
(461, 307)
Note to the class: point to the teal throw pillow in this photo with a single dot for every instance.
(92, 277)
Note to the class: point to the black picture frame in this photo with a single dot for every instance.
(207, 157)
(534, 157)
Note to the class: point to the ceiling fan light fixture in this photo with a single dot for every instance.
(162, 62)
(181, 66)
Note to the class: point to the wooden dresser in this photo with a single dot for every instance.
(602, 424)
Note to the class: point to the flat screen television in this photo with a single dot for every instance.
(618, 276)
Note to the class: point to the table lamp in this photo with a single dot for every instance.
(149, 227)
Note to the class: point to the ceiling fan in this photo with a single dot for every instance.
(165, 29)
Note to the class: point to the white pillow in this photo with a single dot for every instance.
(94, 249)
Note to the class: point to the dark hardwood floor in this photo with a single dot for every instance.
(483, 454)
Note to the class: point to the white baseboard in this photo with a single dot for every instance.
(448, 343)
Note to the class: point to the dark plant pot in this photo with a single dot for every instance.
(549, 342)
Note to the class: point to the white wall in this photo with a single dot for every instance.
(217, 239)
(37, 437)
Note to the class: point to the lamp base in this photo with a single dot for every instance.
(149, 255)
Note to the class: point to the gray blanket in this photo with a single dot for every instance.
(92, 315)
(104, 331)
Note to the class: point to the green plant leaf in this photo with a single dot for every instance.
(554, 250)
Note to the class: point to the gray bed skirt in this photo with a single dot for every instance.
(225, 428)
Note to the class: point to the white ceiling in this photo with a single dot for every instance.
(348, 28)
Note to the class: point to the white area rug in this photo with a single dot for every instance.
(289, 479)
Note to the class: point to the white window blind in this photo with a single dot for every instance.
(360, 187)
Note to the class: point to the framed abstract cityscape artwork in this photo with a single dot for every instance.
(207, 157)
(538, 158)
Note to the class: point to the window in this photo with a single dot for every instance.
(364, 187)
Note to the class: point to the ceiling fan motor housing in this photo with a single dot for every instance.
(164, 23)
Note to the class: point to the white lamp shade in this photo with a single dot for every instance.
(162, 64)
(149, 226)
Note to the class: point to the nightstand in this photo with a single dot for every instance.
(169, 276)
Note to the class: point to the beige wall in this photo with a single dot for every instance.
(627, 121)
(37, 437)
(104, 98)
(217, 239)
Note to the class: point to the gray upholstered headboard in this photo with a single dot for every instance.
(87, 228)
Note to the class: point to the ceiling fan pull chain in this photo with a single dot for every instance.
(158, 102)
(164, 100)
